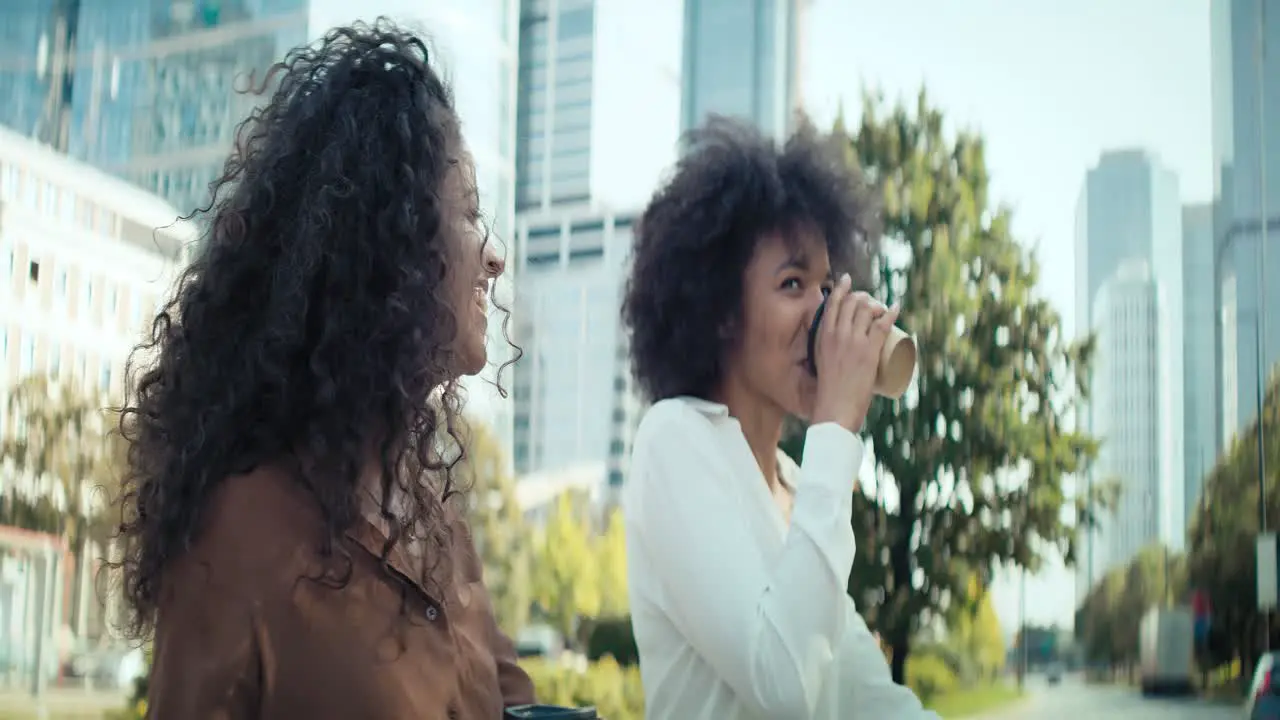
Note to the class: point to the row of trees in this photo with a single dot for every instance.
(572, 568)
(1107, 621)
(1220, 561)
(1221, 552)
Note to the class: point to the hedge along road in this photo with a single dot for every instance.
(1074, 700)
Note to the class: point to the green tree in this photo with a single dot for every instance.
(1096, 621)
(978, 451)
(975, 632)
(611, 559)
(566, 577)
(62, 432)
(497, 524)
(1222, 539)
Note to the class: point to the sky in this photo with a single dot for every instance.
(1051, 84)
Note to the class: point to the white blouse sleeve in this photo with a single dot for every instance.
(771, 632)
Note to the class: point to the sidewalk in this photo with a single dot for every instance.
(61, 704)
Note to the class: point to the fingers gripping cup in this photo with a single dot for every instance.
(897, 358)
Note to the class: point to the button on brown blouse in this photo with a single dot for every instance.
(244, 632)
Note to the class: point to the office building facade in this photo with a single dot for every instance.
(575, 402)
(1199, 430)
(582, 163)
(586, 68)
(1133, 383)
(85, 259)
(1245, 77)
(742, 58)
(1129, 214)
(148, 90)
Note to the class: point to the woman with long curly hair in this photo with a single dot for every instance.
(293, 534)
(738, 559)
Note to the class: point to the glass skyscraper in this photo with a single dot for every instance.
(145, 89)
(742, 59)
(1245, 47)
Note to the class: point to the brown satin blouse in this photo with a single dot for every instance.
(242, 633)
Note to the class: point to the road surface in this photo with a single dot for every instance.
(1074, 700)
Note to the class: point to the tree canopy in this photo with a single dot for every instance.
(1221, 547)
(977, 452)
(61, 433)
(501, 537)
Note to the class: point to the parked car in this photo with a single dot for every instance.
(1263, 701)
(1053, 673)
(116, 668)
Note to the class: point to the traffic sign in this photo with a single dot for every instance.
(1267, 571)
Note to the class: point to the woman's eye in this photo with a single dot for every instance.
(791, 284)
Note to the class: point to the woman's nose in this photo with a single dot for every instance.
(494, 264)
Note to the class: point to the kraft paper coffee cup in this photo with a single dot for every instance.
(897, 364)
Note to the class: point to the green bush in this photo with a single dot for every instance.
(613, 637)
(929, 676)
(614, 691)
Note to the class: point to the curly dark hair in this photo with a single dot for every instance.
(693, 242)
(315, 324)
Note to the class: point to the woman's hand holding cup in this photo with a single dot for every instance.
(851, 336)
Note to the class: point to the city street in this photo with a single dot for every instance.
(1074, 700)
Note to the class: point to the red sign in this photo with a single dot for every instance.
(1200, 605)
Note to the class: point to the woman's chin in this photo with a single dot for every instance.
(473, 362)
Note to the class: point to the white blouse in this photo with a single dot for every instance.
(738, 616)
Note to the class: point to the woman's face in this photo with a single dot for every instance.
(477, 266)
(782, 288)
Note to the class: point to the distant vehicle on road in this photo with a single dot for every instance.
(1053, 672)
(1166, 640)
(1263, 702)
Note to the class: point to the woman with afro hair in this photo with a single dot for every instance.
(737, 558)
(292, 523)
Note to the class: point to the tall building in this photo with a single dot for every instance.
(1131, 381)
(598, 101)
(585, 158)
(742, 58)
(1245, 67)
(82, 265)
(145, 89)
(1199, 431)
(1129, 212)
(574, 395)
(84, 260)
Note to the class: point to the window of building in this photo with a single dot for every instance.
(33, 271)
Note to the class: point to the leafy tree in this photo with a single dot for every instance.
(976, 632)
(497, 524)
(566, 577)
(1222, 540)
(1096, 623)
(61, 432)
(979, 449)
(611, 554)
(1109, 619)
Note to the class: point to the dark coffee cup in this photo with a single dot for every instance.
(549, 712)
